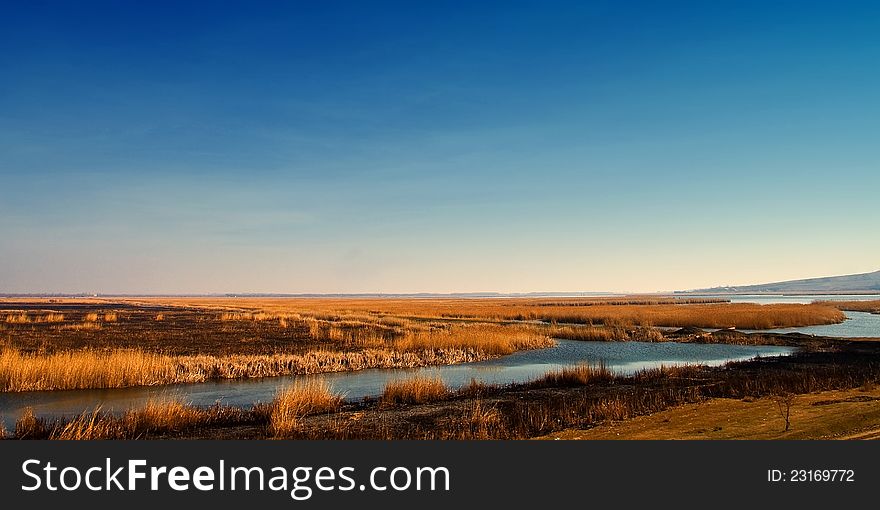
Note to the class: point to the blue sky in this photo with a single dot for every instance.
(456, 146)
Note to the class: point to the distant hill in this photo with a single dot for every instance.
(865, 282)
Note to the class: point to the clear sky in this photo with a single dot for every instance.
(460, 146)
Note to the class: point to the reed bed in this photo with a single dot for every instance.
(872, 306)
(634, 311)
(248, 316)
(476, 388)
(734, 315)
(81, 326)
(492, 339)
(407, 336)
(51, 317)
(156, 417)
(25, 318)
(86, 369)
(577, 375)
(123, 368)
(607, 333)
(417, 390)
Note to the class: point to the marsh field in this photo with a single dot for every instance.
(415, 368)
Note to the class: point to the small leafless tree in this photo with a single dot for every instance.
(783, 403)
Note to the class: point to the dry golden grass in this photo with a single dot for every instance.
(235, 316)
(24, 318)
(164, 414)
(111, 317)
(160, 317)
(82, 326)
(28, 425)
(160, 416)
(415, 391)
(577, 375)
(589, 333)
(481, 421)
(91, 317)
(299, 400)
(87, 426)
(17, 318)
(476, 388)
(124, 368)
(608, 333)
(872, 306)
(636, 311)
(402, 335)
(489, 338)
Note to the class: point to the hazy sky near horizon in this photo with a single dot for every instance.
(459, 146)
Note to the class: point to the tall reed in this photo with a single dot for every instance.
(157, 416)
(297, 401)
(577, 375)
(122, 368)
(416, 390)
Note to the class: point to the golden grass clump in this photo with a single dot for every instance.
(299, 400)
(476, 388)
(91, 317)
(231, 316)
(166, 414)
(52, 317)
(17, 318)
(89, 425)
(415, 391)
(111, 317)
(81, 326)
(28, 425)
(160, 317)
(577, 375)
(588, 333)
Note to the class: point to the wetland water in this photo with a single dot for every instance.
(856, 325)
(523, 366)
